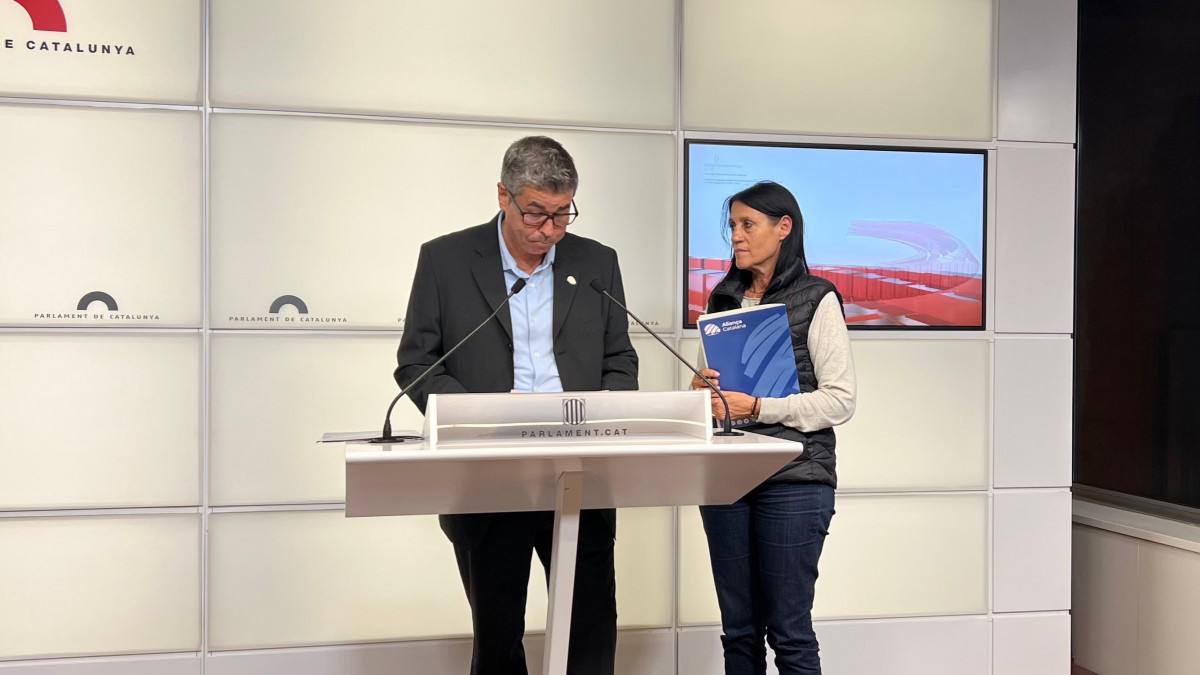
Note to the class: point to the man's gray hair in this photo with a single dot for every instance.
(541, 163)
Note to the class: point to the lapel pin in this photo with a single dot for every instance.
(570, 280)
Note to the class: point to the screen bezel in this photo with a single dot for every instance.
(983, 261)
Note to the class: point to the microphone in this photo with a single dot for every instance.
(727, 423)
(386, 436)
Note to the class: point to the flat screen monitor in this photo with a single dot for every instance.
(899, 231)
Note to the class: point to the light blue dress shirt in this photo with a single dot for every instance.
(532, 311)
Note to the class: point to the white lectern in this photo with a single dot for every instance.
(564, 452)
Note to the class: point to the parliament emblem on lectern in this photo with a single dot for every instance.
(574, 411)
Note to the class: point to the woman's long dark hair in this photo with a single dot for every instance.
(774, 201)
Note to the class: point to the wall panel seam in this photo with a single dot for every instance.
(453, 121)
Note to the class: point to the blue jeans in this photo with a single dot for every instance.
(764, 550)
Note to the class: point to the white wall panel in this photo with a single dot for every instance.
(638, 653)
(645, 559)
(645, 653)
(1034, 390)
(598, 63)
(645, 566)
(951, 646)
(853, 68)
(700, 651)
(399, 658)
(1035, 239)
(922, 416)
(1032, 551)
(656, 365)
(131, 408)
(316, 577)
(1031, 644)
(116, 50)
(942, 646)
(906, 555)
(334, 211)
(131, 665)
(689, 348)
(99, 200)
(273, 396)
(1104, 600)
(99, 585)
(1135, 592)
(911, 430)
(1168, 610)
(1036, 70)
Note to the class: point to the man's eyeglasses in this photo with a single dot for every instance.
(539, 219)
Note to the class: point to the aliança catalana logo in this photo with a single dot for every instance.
(47, 16)
(96, 306)
(287, 309)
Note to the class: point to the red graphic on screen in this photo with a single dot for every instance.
(46, 15)
(939, 285)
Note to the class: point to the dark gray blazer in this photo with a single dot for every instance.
(460, 280)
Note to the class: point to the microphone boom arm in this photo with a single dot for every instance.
(727, 423)
(386, 436)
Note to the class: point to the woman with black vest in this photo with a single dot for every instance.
(765, 547)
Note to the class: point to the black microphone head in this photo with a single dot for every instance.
(517, 287)
(597, 286)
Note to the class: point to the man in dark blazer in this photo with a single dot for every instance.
(556, 335)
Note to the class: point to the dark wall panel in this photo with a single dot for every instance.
(1137, 423)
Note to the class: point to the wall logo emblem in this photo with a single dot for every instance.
(276, 314)
(285, 300)
(96, 306)
(46, 15)
(97, 296)
(574, 411)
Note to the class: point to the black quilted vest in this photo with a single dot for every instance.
(801, 293)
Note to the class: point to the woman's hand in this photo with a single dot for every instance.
(741, 406)
(711, 374)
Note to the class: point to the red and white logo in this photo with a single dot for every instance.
(46, 15)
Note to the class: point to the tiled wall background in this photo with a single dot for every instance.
(163, 508)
